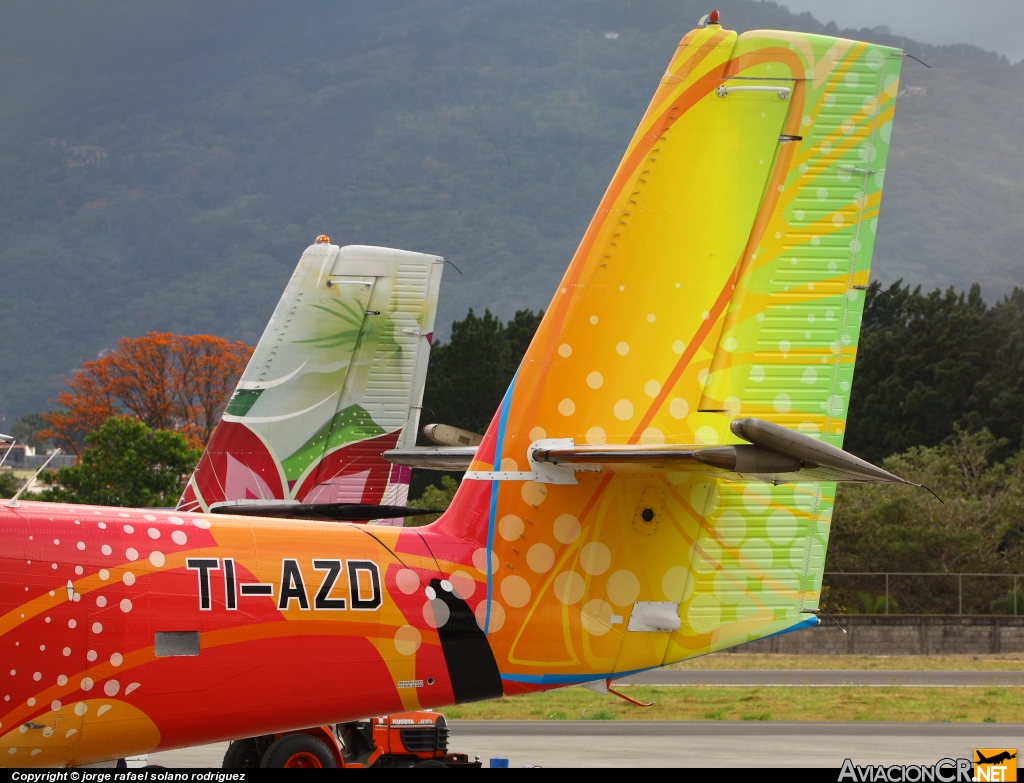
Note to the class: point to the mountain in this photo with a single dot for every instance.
(163, 164)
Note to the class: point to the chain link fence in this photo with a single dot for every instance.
(900, 592)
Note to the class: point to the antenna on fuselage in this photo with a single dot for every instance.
(13, 502)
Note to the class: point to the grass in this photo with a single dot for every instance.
(758, 704)
(764, 661)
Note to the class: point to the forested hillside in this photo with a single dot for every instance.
(163, 164)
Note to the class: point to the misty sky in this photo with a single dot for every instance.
(997, 25)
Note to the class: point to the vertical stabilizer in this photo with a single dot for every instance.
(721, 277)
(336, 379)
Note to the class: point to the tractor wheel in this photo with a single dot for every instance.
(241, 754)
(297, 751)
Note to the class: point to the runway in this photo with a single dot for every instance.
(697, 743)
(828, 678)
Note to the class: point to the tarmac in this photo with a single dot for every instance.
(696, 743)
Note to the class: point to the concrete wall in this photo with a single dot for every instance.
(896, 634)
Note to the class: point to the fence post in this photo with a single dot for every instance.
(960, 593)
(887, 594)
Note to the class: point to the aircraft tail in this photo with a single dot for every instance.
(714, 303)
(336, 379)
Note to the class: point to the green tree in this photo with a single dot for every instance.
(469, 375)
(8, 484)
(26, 429)
(930, 362)
(435, 498)
(890, 528)
(125, 463)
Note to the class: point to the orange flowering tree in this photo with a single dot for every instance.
(168, 381)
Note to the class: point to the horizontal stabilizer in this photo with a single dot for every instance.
(339, 512)
(433, 457)
(775, 454)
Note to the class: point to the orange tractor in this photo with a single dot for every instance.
(412, 739)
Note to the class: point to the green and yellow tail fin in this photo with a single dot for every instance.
(721, 279)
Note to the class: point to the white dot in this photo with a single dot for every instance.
(623, 410)
(42, 647)
(111, 687)
(678, 346)
(53, 566)
(706, 436)
(757, 373)
(37, 676)
(128, 529)
(55, 705)
(72, 623)
(105, 549)
(408, 581)
(176, 520)
(705, 315)
(81, 708)
(101, 601)
(202, 524)
(678, 408)
(80, 545)
(97, 627)
(87, 683)
(149, 517)
(156, 558)
(126, 605)
(101, 525)
(783, 403)
(56, 541)
(652, 436)
(131, 553)
(595, 558)
(826, 147)
(153, 533)
(652, 388)
(32, 703)
(784, 346)
(851, 79)
(565, 350)
(567, 407)
(651, 318)
(104, 574)
(822, 194)
(128, 578)
(838, 219)
(91, 655)
(593, 319)
(596, 436)
(622, 288)
(66, 651)
(538, 433)
(798, 214)
(595, 380)
(179, 537)
(566, 528)
(79, 570)
(622, 349)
